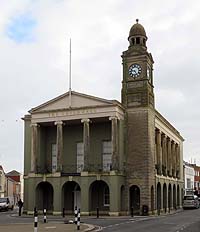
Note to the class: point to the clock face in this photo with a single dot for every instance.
(135, 70)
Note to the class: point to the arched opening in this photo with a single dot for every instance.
(137, 40)
(169, 197)
(158, 198)
(134, 196)
(178, 196)
(123, 203)
(152, 199)
(165, 197)
(44, 196)
(99, 197)
(71, 196)
(174, 196)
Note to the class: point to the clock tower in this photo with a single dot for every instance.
(137, 84)
(138, 100)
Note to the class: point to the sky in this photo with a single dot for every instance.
(34, 56)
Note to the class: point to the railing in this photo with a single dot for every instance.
(43, 169)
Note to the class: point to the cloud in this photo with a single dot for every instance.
(20, 28)
(34, 45)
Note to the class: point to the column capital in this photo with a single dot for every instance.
(164, 135)
(158, 130)
(168, 139)
(34, 125)
(58, 123)
(113, 118)
(85, 120)
(173, 142)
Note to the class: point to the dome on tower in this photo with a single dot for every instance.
(137, 36)
(137, 30)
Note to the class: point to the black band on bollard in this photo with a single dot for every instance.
(79, 220)
(63, 212)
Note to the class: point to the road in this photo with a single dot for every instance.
(183, 221)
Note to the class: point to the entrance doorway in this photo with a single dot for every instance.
(44, 196)
(134, 193)
(71, 196)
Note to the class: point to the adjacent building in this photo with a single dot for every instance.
(10, 184)
(196, 178)
(89, 152)
(189, 174)
(14, 185)
(2, 182)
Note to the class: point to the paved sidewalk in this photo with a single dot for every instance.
(44, 227)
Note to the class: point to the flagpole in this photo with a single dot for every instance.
(70, 81)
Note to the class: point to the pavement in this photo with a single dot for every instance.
(55, 224)
(44, 227)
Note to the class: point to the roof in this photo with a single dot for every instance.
(137, 30)
(73, 101)
(13, 173)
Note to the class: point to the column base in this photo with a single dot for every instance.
(57, 213)
(85, 214)
(29, 212)
(114, 213)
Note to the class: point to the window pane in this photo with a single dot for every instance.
(80, 156)
(54, 157)
(107, 155)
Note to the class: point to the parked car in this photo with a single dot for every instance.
(191, 201)
(6, 203)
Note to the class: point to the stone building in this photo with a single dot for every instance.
(3, 181)
(189, 178)
(84, 151)
(14, 178)
(196, 178)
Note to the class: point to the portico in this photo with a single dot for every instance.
(76, 143)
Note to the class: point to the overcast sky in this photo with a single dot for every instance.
(34, 56)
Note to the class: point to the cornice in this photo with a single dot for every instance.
(168, 124)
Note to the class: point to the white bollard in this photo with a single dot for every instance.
(79, 220)
(45, 216)
(76, 214)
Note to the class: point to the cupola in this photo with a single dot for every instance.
(137, 35)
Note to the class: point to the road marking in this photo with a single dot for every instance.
(50, 227)
(98, 229)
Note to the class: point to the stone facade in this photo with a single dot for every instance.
(94, 153)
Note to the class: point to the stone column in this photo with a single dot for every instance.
(34, 146)
(115, 158)
(158, 151)
(164, 153)
(178, 161)
(173, 159)
(59, 145)
(169, 156)
(86, 141)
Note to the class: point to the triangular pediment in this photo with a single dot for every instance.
(75, 100)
